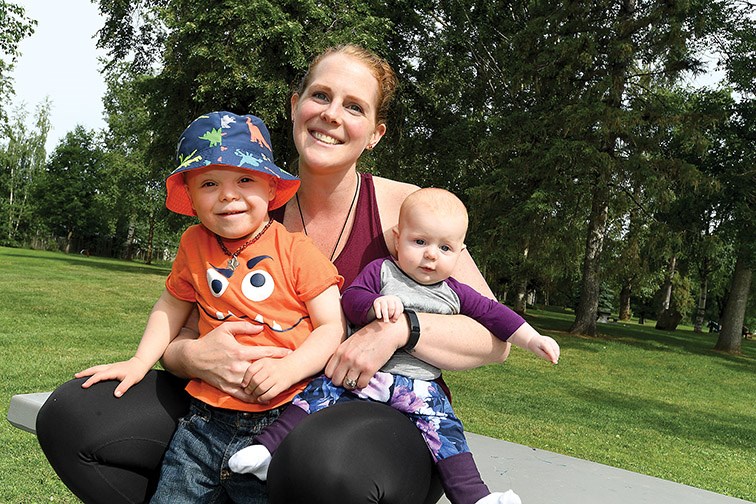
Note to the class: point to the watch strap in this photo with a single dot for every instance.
(414, 328)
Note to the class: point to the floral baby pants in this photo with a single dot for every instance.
(424, 402)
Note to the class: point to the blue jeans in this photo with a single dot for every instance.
(195, 467)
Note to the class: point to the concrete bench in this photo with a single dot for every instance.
(538, 476)
(22, 412)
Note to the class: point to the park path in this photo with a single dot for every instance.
(544, 477)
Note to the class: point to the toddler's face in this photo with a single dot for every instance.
(428, 246)
(230, 202)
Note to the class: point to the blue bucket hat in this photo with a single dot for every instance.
(226, 139)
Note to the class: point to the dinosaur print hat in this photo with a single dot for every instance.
(226, 139)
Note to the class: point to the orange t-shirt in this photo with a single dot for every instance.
(274, 278)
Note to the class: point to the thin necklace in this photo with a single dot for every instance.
(343, 227)
(233, 262)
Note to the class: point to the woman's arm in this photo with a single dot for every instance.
(446, 341)
(216, 358)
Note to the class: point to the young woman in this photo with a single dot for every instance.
(109, 450)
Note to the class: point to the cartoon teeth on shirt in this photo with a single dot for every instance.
(256, 286)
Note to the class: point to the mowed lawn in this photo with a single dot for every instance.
(653, 402)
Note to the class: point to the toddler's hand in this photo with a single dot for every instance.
(266, 378)
(545, 347)
(388, 308)
(129, 372)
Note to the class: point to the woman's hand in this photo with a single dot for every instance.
(218, 358)
(364, 352)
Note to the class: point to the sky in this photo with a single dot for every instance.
(59, 61)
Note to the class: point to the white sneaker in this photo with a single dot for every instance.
(508, 497)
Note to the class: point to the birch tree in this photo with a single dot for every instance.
(22, 159)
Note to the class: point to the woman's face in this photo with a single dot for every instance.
(334, 118)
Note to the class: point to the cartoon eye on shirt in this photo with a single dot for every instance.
(257, 285)
(217, 281)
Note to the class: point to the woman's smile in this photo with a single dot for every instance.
(322, 137)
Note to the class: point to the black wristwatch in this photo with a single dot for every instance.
(414, 327)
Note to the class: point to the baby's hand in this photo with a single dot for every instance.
(544, 347)
(129, 372)
(388, 308)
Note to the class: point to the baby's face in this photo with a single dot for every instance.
(428, 246)
(230, 202)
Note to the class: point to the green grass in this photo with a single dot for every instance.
(59, 314)
(653, 402)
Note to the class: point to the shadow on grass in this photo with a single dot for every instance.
(736, 431)
(94, 262)
(645, 337)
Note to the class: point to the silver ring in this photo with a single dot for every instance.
(349, 383)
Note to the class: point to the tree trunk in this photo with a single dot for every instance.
(69, 239)
(521, 293)
(701, 310)
(666, 299)
(129, 253)
(150, 239)
(624, 310)
(731, 335)
(10, 205)
(668, 319)
(521, 297)
(620, 61)
(587, 310)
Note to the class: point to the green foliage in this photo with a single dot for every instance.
(190, 58)
(562, 126)
(67, 194)
(22, 148)
(134, 178)
(606, 300)
(682, 296)
(534, 111)
(243, 57)
(22, 159)
(14, 27)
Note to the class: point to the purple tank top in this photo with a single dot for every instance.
(365, 243)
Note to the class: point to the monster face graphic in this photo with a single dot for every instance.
(255, 285)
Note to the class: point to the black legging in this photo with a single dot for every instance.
(108, 450)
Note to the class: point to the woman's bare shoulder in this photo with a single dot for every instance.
(392, 192)
(390, 195)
